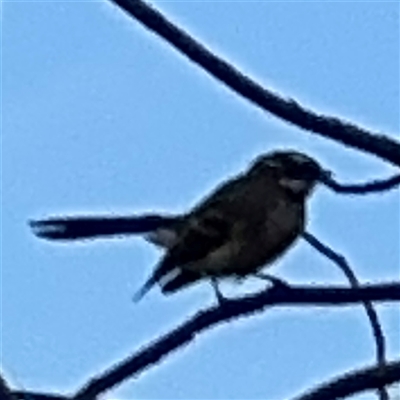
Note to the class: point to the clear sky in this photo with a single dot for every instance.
(99, 115)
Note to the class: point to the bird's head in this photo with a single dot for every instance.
(296, 172)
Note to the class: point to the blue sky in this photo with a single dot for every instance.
(99, 115)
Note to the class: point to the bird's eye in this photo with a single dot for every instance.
(308, 170)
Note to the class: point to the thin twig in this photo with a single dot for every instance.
(289, 110)
(279, 295)
(355, 382)
(27, 395)
(376, 186)
(341, 262)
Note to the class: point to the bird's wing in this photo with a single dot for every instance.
(223, 195)
(201, 234)
(203, 230)
(210, 224)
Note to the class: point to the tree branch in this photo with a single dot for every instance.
(8, 394)
(5, 392)
(355, 382)
(233, 308)
(376, 186)
(27, 395)
(287, 109)
(372, 315)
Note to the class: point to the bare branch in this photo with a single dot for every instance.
(279, 295)
(287, 109)
(355, 382)
(27, 395)
(377, 332)
(379, 337)
(376, 186)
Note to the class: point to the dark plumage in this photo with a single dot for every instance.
(245, 224)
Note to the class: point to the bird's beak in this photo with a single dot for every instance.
(326, 176)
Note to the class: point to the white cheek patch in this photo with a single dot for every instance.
(295, 185)
(162, 237)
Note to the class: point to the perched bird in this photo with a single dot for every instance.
(245, 224)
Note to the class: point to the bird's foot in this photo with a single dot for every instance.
(221, 299)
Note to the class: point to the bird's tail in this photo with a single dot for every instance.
(86, 227)
(164, 268)
(180, 281)
(144, 289)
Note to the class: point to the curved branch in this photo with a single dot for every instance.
(376, 186)
(287, 109)
(372, 315)
(355, 382)
(230, 309)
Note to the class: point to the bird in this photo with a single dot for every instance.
(244, 225)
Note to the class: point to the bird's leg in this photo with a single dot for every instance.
(277, 282)
(220, 297)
